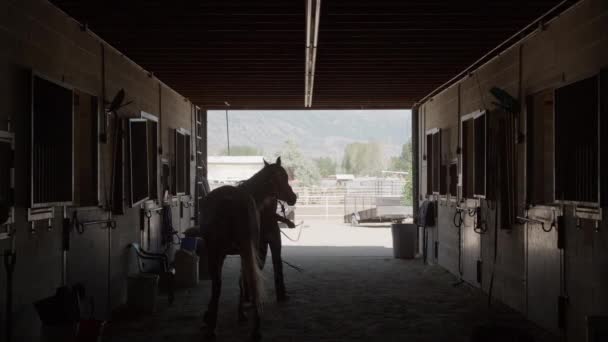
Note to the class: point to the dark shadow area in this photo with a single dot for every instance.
(341, 294)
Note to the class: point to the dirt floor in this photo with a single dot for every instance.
(351, 289)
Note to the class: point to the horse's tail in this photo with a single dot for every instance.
(250, 260)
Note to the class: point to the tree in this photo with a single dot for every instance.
(404, 160)
(404, 163)
(298, 166)
(364, 159)
(240, 150)
(326, 166)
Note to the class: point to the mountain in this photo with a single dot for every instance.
(318, 133)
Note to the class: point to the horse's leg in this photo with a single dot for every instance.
(277, 266)
(215, 270)
(256, 334)
(245, 295)
(263, 251)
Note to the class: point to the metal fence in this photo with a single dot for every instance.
(335, 202)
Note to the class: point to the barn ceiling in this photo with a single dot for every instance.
(251, 54)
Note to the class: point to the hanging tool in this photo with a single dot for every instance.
(458, 221)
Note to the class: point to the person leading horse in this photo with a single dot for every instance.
(270, 235)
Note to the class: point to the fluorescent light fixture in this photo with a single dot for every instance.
(312, 30)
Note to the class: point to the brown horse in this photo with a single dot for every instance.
(231, 225)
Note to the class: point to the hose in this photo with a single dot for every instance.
(458, 221)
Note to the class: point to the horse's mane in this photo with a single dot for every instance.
(254, 182)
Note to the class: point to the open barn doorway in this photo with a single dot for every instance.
(351, 170)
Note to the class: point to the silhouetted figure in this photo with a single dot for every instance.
(230, 226)
(270, 235)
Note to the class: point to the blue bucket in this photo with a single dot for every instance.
(189, 244)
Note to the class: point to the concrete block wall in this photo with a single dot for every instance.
(36, 36)
(527, 272)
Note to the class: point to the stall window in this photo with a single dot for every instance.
(604, 134)
(480, 156)
(182, 162)
(433, 161)
(52, 148)
(539, 113)
(577, 142)
(138, 161)
(118, 169)
(166, 181)
(474, 142)
(453, 179)
(153, 158)
(444, 143)
(443, 188)
(6, 176)
(153, 151)
(429, 163)
(86, 160)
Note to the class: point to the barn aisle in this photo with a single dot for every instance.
(344, 294)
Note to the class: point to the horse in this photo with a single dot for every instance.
(230, 226)
(270, 235)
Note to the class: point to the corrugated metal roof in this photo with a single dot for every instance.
(371, 54)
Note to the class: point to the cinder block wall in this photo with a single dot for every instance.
(36, 36)
(572, 47)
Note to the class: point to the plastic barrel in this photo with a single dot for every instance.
(404, 240)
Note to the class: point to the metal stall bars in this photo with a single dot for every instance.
(7, 183)
(202, 187)
(7, 218)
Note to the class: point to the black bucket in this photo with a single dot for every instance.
(60, 309)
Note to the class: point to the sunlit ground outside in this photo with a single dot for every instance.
(335, 233)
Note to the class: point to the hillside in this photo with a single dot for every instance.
(318, 133)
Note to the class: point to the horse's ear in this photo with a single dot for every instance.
(265, 162)
(278, 161)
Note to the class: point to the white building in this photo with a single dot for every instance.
(232, 169)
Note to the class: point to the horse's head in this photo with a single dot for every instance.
(278, 180)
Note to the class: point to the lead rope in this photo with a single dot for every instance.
(285, 217)
(297, 268)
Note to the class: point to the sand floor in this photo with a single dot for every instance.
(351, 290)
